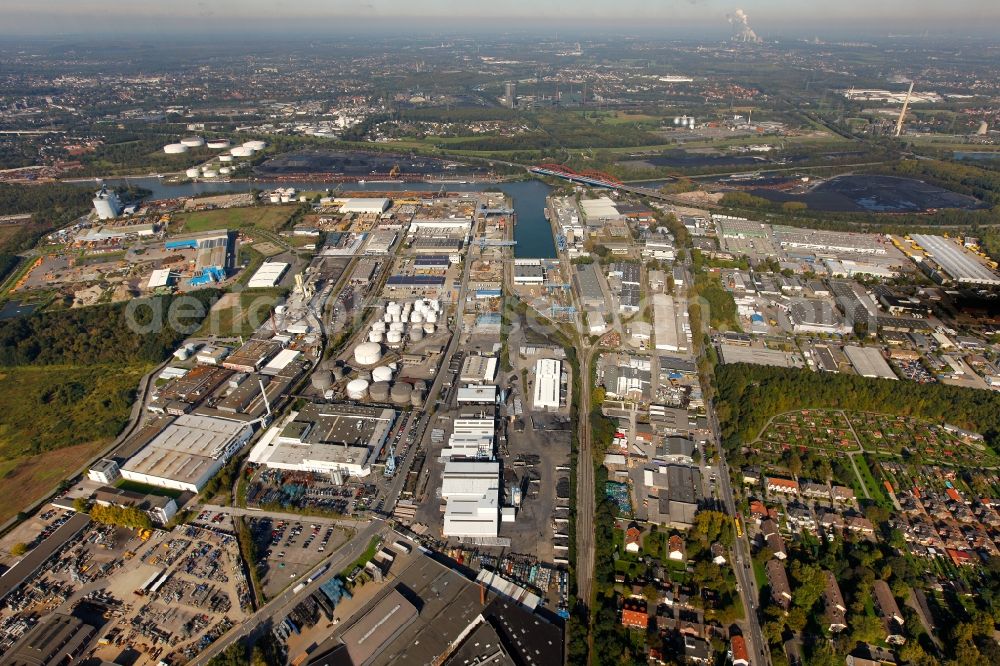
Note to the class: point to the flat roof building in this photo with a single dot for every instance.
(326, 439)
(960, 264)
(547, 383)
(472, 493)
(476, 369)
(188, 452)
(57, 639)
(869, 362)
(477, 394)
(268, 275)
(363, 205)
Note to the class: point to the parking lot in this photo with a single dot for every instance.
(291, 548)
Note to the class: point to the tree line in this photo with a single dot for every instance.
(749, 395)
(138, 331)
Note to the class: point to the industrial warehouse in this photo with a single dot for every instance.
(338, 440)
(187, 453)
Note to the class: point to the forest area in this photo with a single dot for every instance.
(751, 394)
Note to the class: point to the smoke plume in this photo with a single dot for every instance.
(742, 32)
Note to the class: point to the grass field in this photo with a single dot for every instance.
(271, 218)
(240, 313)
(55, 419)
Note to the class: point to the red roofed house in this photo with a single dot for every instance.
(758, 510)
(632, 536)
(960, 557)
(634, 615)
(953, 494)
(738, 646)
(675, 546)
(776, 484)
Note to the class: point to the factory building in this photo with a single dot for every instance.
(589, 284)
(472, 438)
(188, 452)
(339, 440)
(472, 493)
(597, 212)
(547, 383)
(960, 264)
(671, 333)
(477, 394)
(363, 205)
(869, 362)
(268, 275)
(106, 204)
(476, 369)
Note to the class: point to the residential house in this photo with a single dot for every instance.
(738, 649)
(633, 536)
(675, 548)
(634, 615)
(776, 484)
(777, 578)
(892, 617)
(835, 610)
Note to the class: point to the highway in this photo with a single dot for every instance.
(278, 608)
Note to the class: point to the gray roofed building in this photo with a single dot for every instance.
(589, 284)
(777, 578)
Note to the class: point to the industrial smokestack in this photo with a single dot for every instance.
(742, 32)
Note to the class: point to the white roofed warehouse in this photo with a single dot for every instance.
(472, 493)
(364, 205)
(187, 453)
(268, 275)
(547, 383)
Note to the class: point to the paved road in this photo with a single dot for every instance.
(279, 515)
(742, 561)
(278, 608)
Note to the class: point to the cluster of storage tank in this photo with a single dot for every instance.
(188, 142)
(405, 320)
(283, 195)
(378, 386)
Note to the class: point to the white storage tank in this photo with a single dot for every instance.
(397, 326)
(218, 144)
(240, 151)
(416, 318)
(375, 336)
(382, 374)
(393, 337)
(357, 389)
(226, 158)
(211, 173)
(431, 317)
(175, 148)
(429, 329)
(225, 171)
(368, 353)
(416, 333)
(192, 173)
(255, 145)
(193, 141)
(379, 326)
(387, 318)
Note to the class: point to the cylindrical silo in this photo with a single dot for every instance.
(357, 389)
(175, 148)
(400, 393)
(193, 141)
(375, 336)
(416, 333)
(368, 353)
(379, 391)
(382, 374)
(322, 380)
(192, 172)
(393, 337)
(429, 329)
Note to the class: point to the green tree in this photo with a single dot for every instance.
(19, 549)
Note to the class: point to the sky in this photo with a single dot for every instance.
(769, 18)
